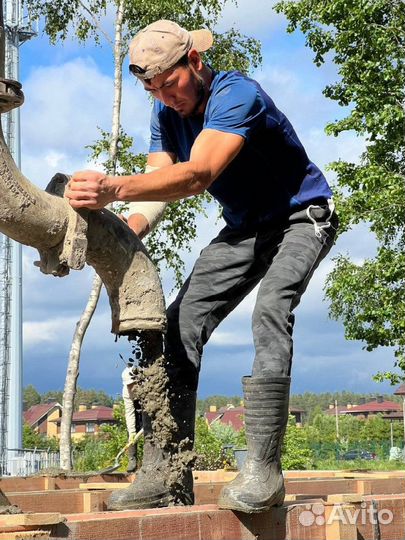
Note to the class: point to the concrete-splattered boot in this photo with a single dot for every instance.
(260, 484)
(166, 474)
(132, 461)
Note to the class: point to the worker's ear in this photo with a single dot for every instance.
(194, 59)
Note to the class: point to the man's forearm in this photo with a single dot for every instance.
(169, 183)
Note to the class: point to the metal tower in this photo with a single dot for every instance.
(17, 32)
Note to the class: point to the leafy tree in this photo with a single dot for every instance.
(89, 454)
(209, 445)
(94, 453)
(224, 432)
(31, 396)
(203, 405)
(32, 439)
(296, 452)
(54, 395)
(365, 39)
(376, 430)
(84, 396)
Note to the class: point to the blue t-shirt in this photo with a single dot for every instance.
(271, 177)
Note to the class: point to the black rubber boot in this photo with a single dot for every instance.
(166, 474)
(260, 484)
(132, 460)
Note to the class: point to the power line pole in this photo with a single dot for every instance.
(16, 33)
(337, 420)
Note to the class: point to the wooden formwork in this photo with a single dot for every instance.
(341, 505)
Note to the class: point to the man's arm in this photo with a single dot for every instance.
(145, 215)
(211, 153)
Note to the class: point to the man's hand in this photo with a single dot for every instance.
(90, 189)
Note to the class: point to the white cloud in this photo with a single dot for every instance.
(232, 339)
(251, 17)
(64, 104)
(37, 332)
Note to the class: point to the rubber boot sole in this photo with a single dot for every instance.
(153, 501)
(226, 503)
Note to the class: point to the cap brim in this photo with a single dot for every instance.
(202, 39)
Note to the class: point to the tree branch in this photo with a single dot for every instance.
(97, 23)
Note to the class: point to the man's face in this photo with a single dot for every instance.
(181, 89)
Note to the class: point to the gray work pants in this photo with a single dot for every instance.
(283, 257)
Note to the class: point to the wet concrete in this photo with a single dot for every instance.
(155, 393)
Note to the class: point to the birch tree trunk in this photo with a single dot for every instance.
(72, 373)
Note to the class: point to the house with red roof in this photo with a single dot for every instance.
(234, 416)
(42, 418)
(364, 410)
(88, 421)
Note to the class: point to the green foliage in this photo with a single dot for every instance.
(98, 452)
(208, 447)
(176, 232)
(89, 454)
(211, 440)
(203, 405)
(296, 453)
(224, 433)
(126, 161)
(83, 397)
(365, 39)
(374, 465)
(372, 434)
(374, 291)
(32, 439)
(30, 397)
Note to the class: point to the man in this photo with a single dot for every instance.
(219, 131)
(133, 417)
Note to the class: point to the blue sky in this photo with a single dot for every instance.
(68, 90)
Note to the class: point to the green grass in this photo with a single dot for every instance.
(359, 464)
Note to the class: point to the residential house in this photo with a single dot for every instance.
(41, 418)
(371, 408)
(88, 421)
(234, 416)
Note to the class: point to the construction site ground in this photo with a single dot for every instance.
(325, 505)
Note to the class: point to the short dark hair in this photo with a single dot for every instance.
(182, 62)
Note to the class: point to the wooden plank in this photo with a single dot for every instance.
(103, 485)
(366, 475)
(29, 520)
(49, 482)
(219, 475)
(364, 487)
(340, 498)
(29, 535)
(93, 501)
(339, 529)
(303, 497)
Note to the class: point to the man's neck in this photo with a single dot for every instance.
(207, 76)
